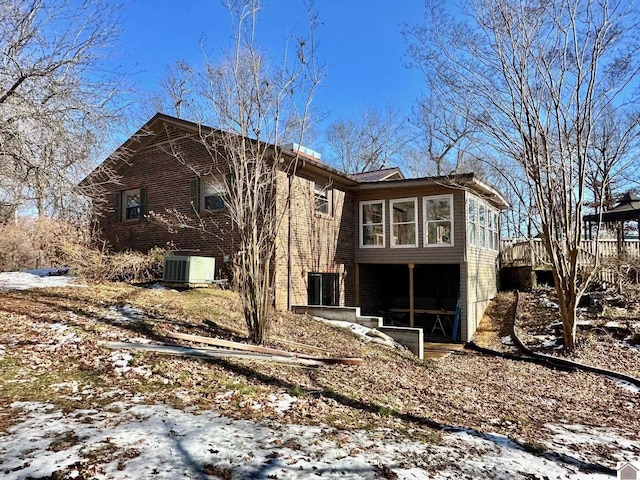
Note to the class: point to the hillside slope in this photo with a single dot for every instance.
(452, 415)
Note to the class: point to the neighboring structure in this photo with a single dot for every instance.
(374, 240)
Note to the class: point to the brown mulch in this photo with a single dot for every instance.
(52, 353)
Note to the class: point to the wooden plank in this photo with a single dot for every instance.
(259, 349)
(212, 353)
(240, 333)
(229, 344)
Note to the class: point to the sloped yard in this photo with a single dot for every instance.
(70, 405)
(608, 333)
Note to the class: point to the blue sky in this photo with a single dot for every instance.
(359, 41)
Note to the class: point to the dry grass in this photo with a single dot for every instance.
(97, 264)
(390, 389)
(33, 243)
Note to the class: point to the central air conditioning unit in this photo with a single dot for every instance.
(189, 269)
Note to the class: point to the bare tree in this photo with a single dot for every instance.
(56, 99)
(177, 95)
(443, 137)
(256, 106)
(369, 142)
(613, 154)
(541, 75)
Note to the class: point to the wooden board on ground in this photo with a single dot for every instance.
(436, 351)
(213, 353)
(213, 324)
(259, 349)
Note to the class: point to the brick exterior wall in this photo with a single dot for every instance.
(315, 242)
(167, 183)
(308, 241)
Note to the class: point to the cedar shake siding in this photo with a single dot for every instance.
(329, 248)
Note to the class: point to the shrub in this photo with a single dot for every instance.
(98, 264)
(34, 243)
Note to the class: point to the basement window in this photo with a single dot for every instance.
(322, 289)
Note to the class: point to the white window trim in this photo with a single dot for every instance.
(492, 235)
(496, 229)
(393, 224)
(384, 224)
(328, 195)
(425, 223)
(474, 221)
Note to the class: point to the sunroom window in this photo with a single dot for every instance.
(372, 224)
(472, 223)
(404, 222)
(482, 222)
(438, 221)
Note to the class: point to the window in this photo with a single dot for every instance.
(490, 229)
(438, 221)
(482, 225)
(496, 231)
(323, 195)
(472, 223)
(372, 224)
(130, 204)
(404, 222)
(213, 192)
(322, 289)
(482, 222)
(208, 194)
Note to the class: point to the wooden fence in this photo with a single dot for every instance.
(522, 252)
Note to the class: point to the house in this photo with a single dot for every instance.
(395, 246)
(627, 471)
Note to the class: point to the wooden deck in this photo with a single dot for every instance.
(522, 252)
(437, 351)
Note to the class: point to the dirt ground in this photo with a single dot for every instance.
(608, 333)
(51, 351)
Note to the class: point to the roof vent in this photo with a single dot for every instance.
(295, 147)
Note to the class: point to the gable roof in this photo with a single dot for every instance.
(156, 127)
(628, 208)
(393, 173)
(160, 125)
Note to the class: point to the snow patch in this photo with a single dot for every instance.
(125, 314)
(25, 281)
(157, 441)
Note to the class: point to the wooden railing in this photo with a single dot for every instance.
(520, 252)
